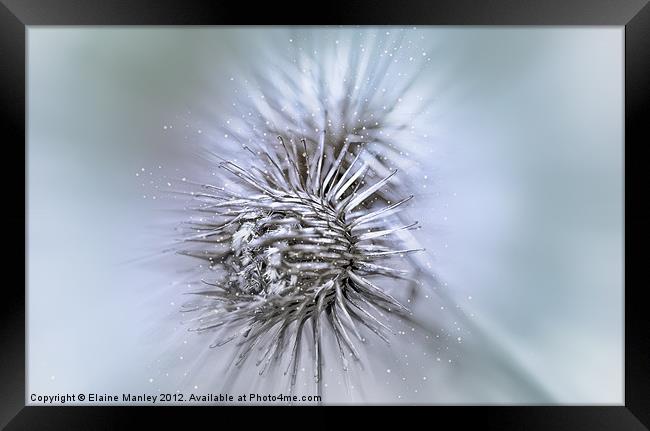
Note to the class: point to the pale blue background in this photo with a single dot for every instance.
(522, 211)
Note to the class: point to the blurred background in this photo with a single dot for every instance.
(520, 194)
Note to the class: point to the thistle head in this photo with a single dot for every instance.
(299, 238)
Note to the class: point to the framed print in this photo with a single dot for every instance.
(398, 205)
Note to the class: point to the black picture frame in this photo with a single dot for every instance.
(16, 15)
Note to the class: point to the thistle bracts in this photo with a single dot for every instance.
(297, 242)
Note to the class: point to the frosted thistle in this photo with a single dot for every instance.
(297, 243)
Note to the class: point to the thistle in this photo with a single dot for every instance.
(297, 243)
(304, 241)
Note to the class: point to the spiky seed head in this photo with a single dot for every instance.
(293, 242)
